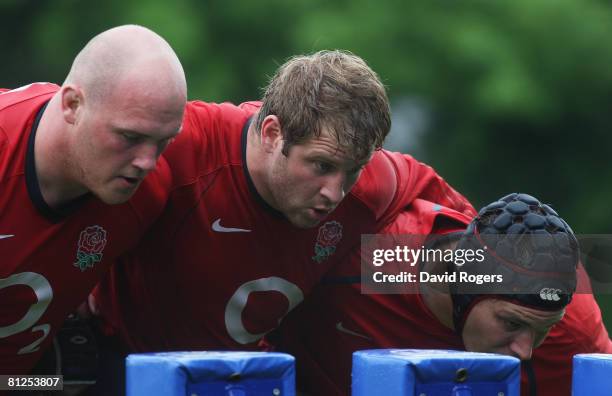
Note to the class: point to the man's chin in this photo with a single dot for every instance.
(115, 197)
(304, 221)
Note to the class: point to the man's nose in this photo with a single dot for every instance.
(522, 345)
(146, 157)
(333, 188)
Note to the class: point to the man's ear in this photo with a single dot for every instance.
(271, 133)
(72, 101)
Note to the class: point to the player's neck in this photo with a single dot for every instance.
(51, 154)
(256, 165)
(440, 304)
(437, 297)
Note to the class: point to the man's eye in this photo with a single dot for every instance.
(323, 167)
(130, 137)
(512, 325)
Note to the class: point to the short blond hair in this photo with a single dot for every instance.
(334, 89)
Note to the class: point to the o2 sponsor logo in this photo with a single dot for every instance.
(238, 303)
(44, 294)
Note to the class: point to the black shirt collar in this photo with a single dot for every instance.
(55, 215)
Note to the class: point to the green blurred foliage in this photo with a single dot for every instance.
(518, 91)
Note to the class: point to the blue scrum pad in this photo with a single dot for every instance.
(423, 372)
(210, 373)
(592, 375)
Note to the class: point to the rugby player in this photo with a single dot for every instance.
(338, 319)
(70, 157)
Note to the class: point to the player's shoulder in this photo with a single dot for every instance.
(205, 115)
(210, 139)
(251, 107)
(214, 123)
(423, 217)
(11, 97)
(378, 183)
(581, 328)
(18, 108)
(392, 181)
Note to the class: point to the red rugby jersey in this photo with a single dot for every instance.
(50, 259)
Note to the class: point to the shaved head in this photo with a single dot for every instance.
(128, 54)
(121, 103)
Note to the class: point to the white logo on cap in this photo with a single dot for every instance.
(550, 294)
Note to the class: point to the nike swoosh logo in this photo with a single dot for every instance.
(6, 236)
(343, 329)
(216, 226)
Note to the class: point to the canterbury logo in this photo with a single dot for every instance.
(550, 294)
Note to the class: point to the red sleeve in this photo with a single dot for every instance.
(203, 142)
(418, 180)
(393, 181)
